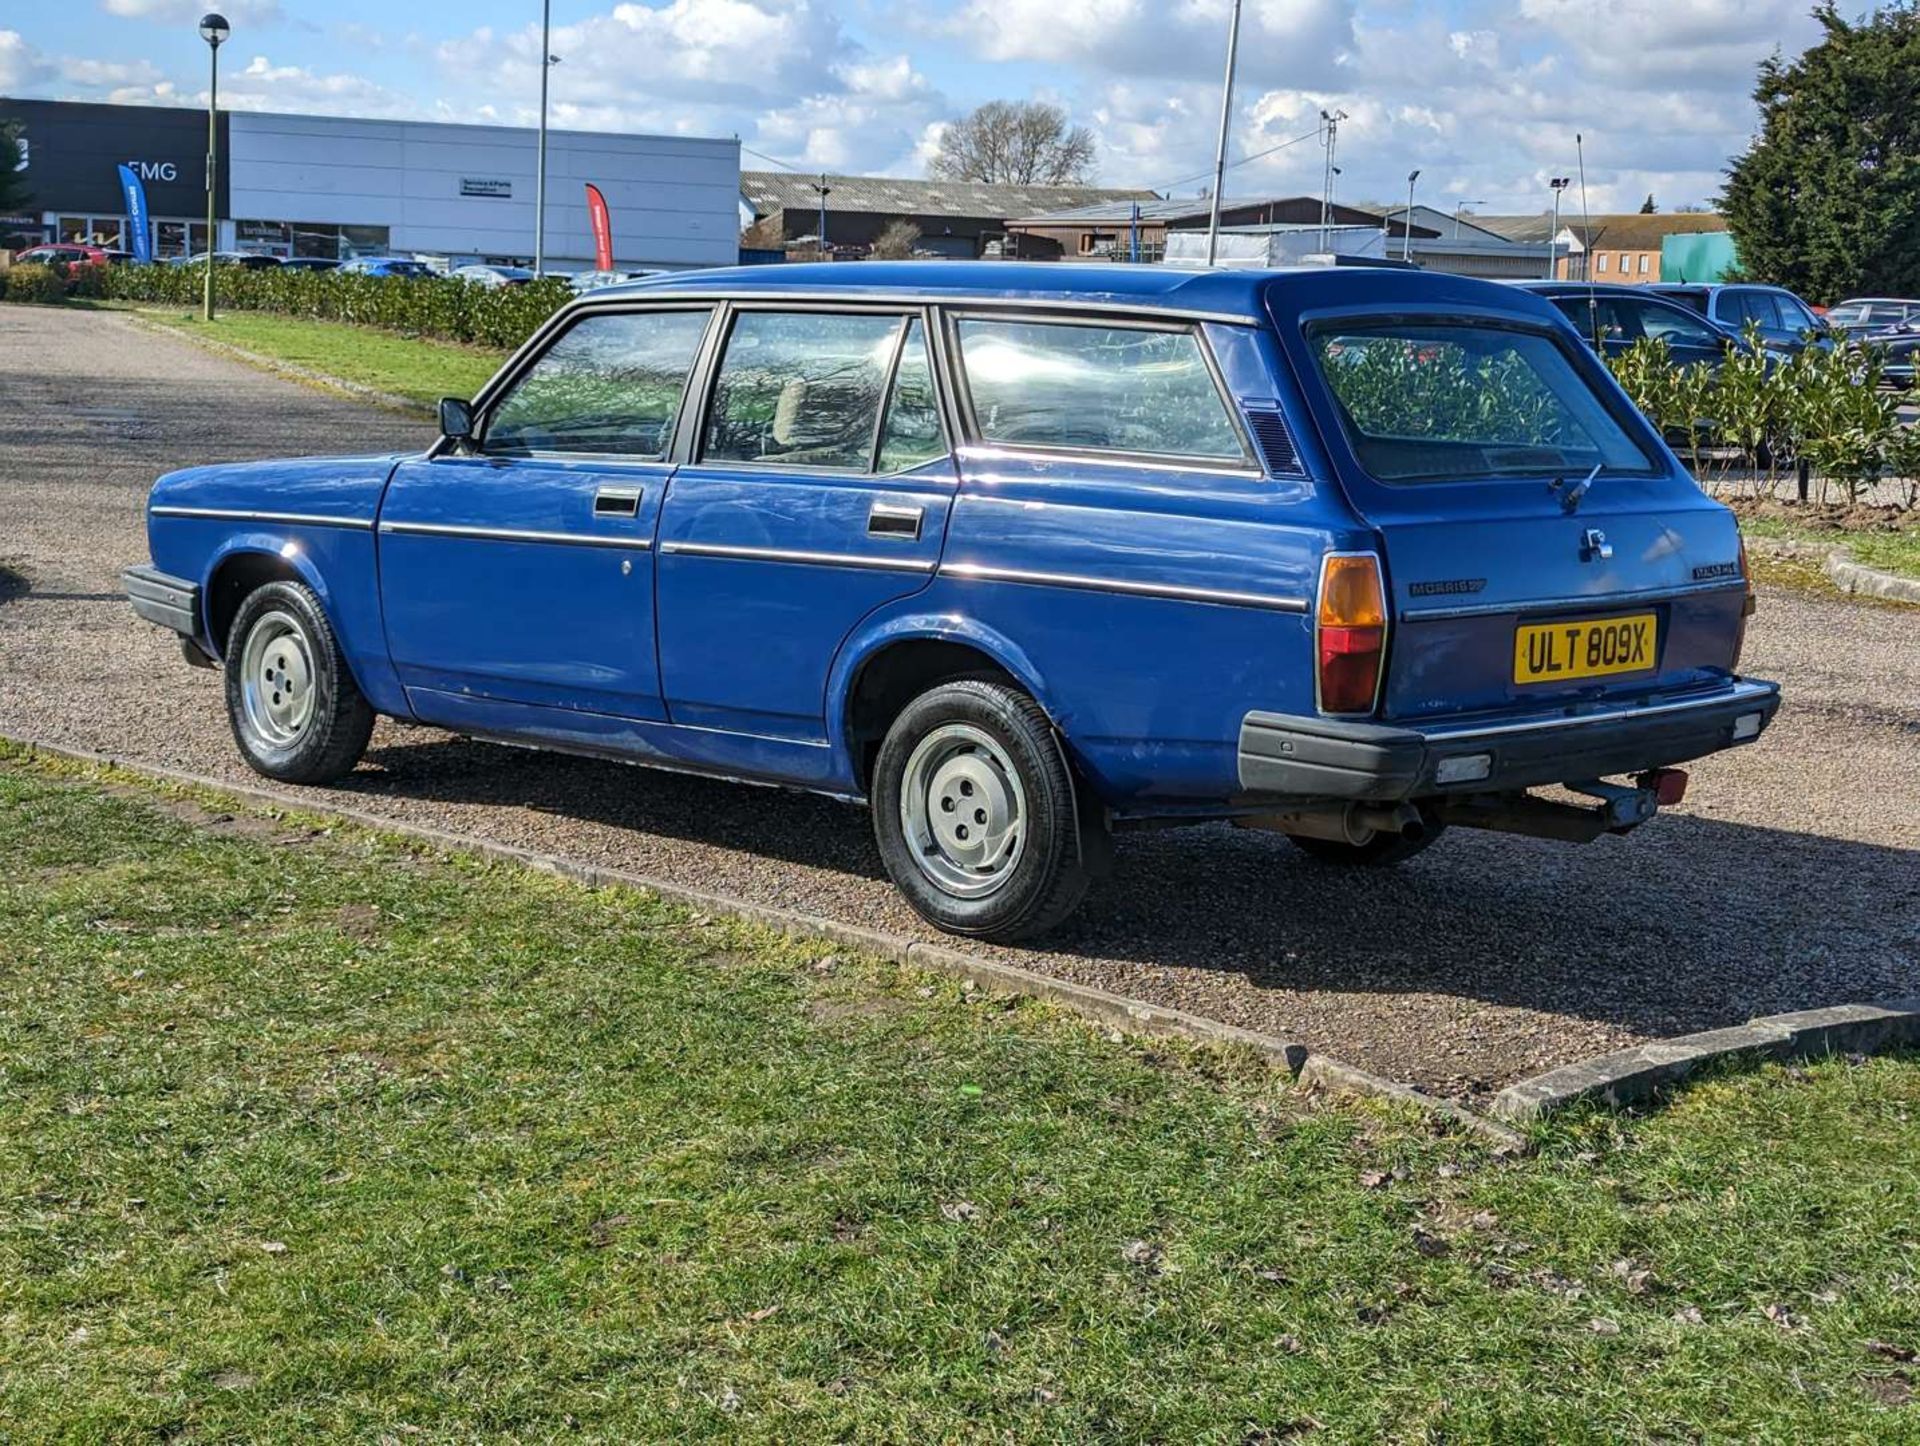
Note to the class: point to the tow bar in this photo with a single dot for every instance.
(1621, 808)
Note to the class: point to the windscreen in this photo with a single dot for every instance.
(1459, 401)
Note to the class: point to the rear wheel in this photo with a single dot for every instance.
(296, 712)
(1382, 851)
(975, 814)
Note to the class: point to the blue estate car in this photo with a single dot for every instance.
(1018, 555)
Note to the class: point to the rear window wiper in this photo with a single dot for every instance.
(1571, 498)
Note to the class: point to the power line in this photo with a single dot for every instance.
(1313, 134)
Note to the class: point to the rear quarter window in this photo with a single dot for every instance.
(1453, 401)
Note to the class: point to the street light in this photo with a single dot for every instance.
(1406, 221)
(1226, 124)
(1458, 207)
(214, 30)
(547, 58)
(1558, 184)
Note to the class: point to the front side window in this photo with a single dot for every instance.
(611, 385)
(1677, 327)
(1463, 402)
(801, 388)
(1100, 388)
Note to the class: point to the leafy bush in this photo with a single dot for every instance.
(443, 307)
(34, 283)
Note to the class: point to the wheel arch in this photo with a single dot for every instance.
(245, 563)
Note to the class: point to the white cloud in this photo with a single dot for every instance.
(21, 66)
(188, 12)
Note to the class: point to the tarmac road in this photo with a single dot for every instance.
(1789, 879)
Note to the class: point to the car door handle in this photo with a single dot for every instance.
(887, 520)
(617, 502)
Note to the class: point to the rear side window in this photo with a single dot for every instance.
(611, 385)
(911, 433)
(1452, 402)
(1105, 388)
(1676, 327)
(801, 388)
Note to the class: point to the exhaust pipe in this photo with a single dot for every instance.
(1355, 824)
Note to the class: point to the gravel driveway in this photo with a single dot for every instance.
(1791, 877)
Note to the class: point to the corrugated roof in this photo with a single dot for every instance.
(771, 191)
(1630, 231)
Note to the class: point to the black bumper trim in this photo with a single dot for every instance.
(1289, 756)
(172, 602)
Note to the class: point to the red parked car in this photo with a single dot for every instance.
(64, 253)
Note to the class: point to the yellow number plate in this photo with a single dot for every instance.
(1556, 652)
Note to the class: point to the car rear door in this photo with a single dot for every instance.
(1520, 578)
(818, 490)
(517, 580)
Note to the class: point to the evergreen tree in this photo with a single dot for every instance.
(1827, 198)
(13, 181)
(1647, 208)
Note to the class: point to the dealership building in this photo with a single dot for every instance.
(336, 187)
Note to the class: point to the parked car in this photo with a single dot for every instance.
(1786, 322)
(63, 253)
(310, 263)
(586, 281)
(1862, 315)
(492, 276)
(1017, 555)
(385, 266)
(1612, 318)
(250, 260)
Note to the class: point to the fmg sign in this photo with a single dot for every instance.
(155, 170)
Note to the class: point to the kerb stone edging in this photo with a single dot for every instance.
(1630, 1075)
(1842, 570)
(1132, 1015)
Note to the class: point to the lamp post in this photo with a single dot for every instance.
(1406, 220)
(1330, 122)
(1458, 207)
(1558, 184)
(1226, 126)
(214, 30)
(540, 161)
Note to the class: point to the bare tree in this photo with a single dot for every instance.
(896, 242)
(1019, 142)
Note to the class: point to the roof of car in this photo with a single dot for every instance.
(1233, 294)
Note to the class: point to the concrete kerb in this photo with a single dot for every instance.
(1314, 1070)
(1842, 570)
(1629, 1076)
(359, 391)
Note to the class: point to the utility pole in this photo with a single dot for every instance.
(1226, 126)
(825, 190)
(1332, 123)
(540, 162)
(1406, 220)
(1558, 184)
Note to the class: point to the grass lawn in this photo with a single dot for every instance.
(1890, 550)
(421, 371)
(306, 1135)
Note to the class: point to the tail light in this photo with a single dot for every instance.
(1747, 605)
(1350, 632)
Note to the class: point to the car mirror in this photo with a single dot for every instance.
(456, 420)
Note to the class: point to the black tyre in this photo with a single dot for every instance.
(1382, 851)
(296, 712)
(975, 811)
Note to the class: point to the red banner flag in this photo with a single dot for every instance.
(602, 228)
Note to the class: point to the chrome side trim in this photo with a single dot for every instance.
(1574, 604)
(235, 514)
(783, 554)
(1095, 458)
(508, 534)
(1177, 592)
(1739, 692)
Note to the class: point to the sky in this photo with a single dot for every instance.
(1484, 97)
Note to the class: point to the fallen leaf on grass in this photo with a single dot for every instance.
(1781, 1316)
(1601, 1326)
(273, 1247)
(1889, 1350)
(960, 1210)
(1143, 1253)
(1430, 1246)
(1688, 1315)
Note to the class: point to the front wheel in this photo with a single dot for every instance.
(296, 712)
(974, 811)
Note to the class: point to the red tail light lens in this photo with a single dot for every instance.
(1350, 632)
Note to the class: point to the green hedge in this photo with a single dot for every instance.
(32, 283)
(443, 307)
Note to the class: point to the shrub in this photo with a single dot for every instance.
(34, 283)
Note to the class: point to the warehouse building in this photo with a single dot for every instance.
(338, 187)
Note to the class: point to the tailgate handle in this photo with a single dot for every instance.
(886, 520)
(1595, 545)
(617, 502)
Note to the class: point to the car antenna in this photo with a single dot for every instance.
(1571, 501)
(1586, 223)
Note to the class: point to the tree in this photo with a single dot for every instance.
(1826, 200)
(896, 242)
(1020, 142)
(1647, 208)
(13, 181)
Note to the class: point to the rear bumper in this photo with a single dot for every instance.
(1283, 755)
(172, 602)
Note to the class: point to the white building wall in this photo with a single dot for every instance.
(674, 199)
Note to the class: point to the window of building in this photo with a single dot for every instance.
(611, 385)
(1600, 263)
(801, 388)
(179, 238)
(1643, 263)
(1102, 387)
(1094, 242)
(93, 231)
(911, 433)
(322, 239)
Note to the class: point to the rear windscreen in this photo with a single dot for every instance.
(1450, 402)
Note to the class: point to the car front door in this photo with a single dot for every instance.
(1690, 341)
(517, 576)
(818, 490)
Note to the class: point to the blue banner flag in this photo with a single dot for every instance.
(141, 237)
